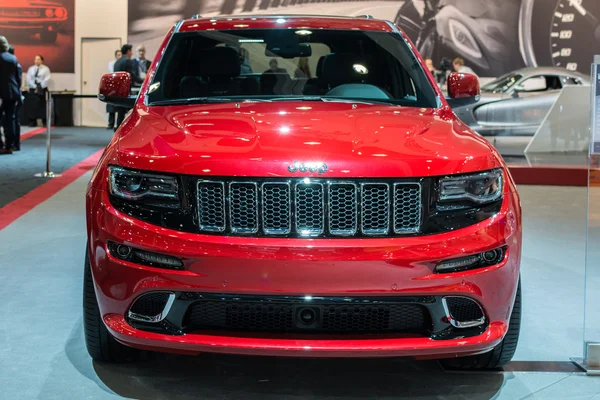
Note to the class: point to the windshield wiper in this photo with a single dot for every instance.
(192, 100)
(303, 98)
(336, 100)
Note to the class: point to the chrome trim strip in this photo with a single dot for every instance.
(243, 230)
(374, 232)
(342, 232)
(209, 228)
(395, 208)
(156, 318)
(462, 324)
(309, 232)
(289, 205)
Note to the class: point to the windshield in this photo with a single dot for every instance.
(501, 84)
(287, 64)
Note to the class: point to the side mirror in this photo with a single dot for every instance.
(463, 89)
(115, 89)
(518, 89)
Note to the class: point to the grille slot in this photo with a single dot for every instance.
(407, 207)
(375, 208)
(282, 317)
(211, 206)
(343, 209)
(309, 208)
(243, 215)
(276, 208)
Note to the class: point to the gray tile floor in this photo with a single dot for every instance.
(42, 354)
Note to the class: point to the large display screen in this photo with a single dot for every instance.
(492, 36)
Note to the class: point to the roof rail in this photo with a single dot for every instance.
(365, 16)
(196, 16)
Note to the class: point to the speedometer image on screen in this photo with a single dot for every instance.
(563, 33)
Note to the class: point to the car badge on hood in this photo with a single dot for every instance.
(319, 167)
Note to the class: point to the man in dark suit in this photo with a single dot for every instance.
(9, 94)
(142, 63)
(17, 145)
(126, 64)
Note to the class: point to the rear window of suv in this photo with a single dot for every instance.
(289, 64)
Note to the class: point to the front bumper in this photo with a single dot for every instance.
(393, 267)
(320, 347)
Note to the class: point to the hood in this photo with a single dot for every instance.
(263, 138)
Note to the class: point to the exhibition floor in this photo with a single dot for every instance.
(42, 352)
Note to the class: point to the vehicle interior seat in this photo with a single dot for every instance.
(553, 83)
(340, 68)
(215, 74)
(316, 85)
(275, 83)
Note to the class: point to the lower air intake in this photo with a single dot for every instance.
(288, 317)
(464, 312)
(151, 307)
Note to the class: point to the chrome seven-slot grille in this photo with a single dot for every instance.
(309, 208)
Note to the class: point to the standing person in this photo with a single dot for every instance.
(17, 144)
(110, 109)
(9, 94)
(429, 65)
(111, 64)
(459, 66)
(303, 70)
(38, 77)
(126, 64)
(245, 68)
(142, 64)
(274, 67)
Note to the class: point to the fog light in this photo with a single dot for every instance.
(143, 257)
(489, 256)
(123, 251)
(485, 259)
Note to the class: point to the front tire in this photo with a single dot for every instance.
(499, 355)
(100, 344)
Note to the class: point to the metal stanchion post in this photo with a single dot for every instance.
(48, 173)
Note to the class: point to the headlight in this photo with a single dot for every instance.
(480, 188)
(134, 185)
(49, 12)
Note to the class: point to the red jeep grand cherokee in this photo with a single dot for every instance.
(299, 186)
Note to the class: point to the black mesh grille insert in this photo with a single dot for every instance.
(309, 207)
(407, 208)
(375, 209)
(343, 209)
(282, 317)
(150, 304)
(211, 206)
(244, 207)
(276, 208)
(374, 318)
(463, 309)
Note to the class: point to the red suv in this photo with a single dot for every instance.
(299, 186)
